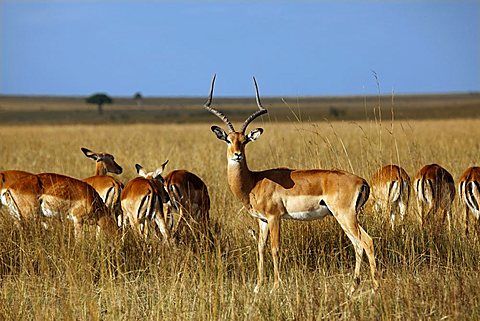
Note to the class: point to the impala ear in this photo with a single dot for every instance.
(164, 164)
(140, 170)
(221, 134)
(254, 134)
(89, 153)
(158, 172)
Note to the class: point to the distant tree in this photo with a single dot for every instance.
(99, 99)
(138, 98)
(336, 112)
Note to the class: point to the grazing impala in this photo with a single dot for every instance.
(7, 178)
(142, 201)
(106, 186)
(58, 196)
(189, 197)
(435, 192)
(469, 191)
(391, 191)
(276, 194)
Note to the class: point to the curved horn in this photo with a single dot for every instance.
(256, 114)
(213, 110)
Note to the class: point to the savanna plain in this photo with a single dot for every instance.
(424, 275)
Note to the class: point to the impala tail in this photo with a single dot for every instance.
(405, 187)
(395, 190)
(110, 196)
(146, 206)
(472, 195)
(175, 196)
(154, 206)
(363, 195)
(425, 190)
(398, 188)
(173, 203)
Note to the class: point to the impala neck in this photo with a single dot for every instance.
(241, 180)
(100, 169)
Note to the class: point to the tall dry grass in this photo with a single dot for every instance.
(45, 274)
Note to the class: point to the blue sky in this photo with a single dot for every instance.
(294, 48)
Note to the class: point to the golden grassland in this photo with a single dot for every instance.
(45, 274)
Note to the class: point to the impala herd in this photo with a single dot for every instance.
(269, 196)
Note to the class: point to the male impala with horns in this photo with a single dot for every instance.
(275, 194)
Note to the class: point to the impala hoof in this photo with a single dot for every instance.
(354, 286)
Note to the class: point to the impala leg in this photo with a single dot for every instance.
(125, 219)
(75, 215)
(120, 219)
(135, 227)
(402, 209)
(421, 211)
(13, 207)
(262, 240)
(350, 226)
(162, 226)
(467, 213)
(143, 229)
(392, 218)
(159, 219)
(78, 224)
(358, 260)
(448, 216)
(430, 217)
(168, 216)
(367, 244)
(181, 221)
(361, 241)
(274, 229)
(108, 226)
(476, 222)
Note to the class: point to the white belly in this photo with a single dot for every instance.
(315, 214)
